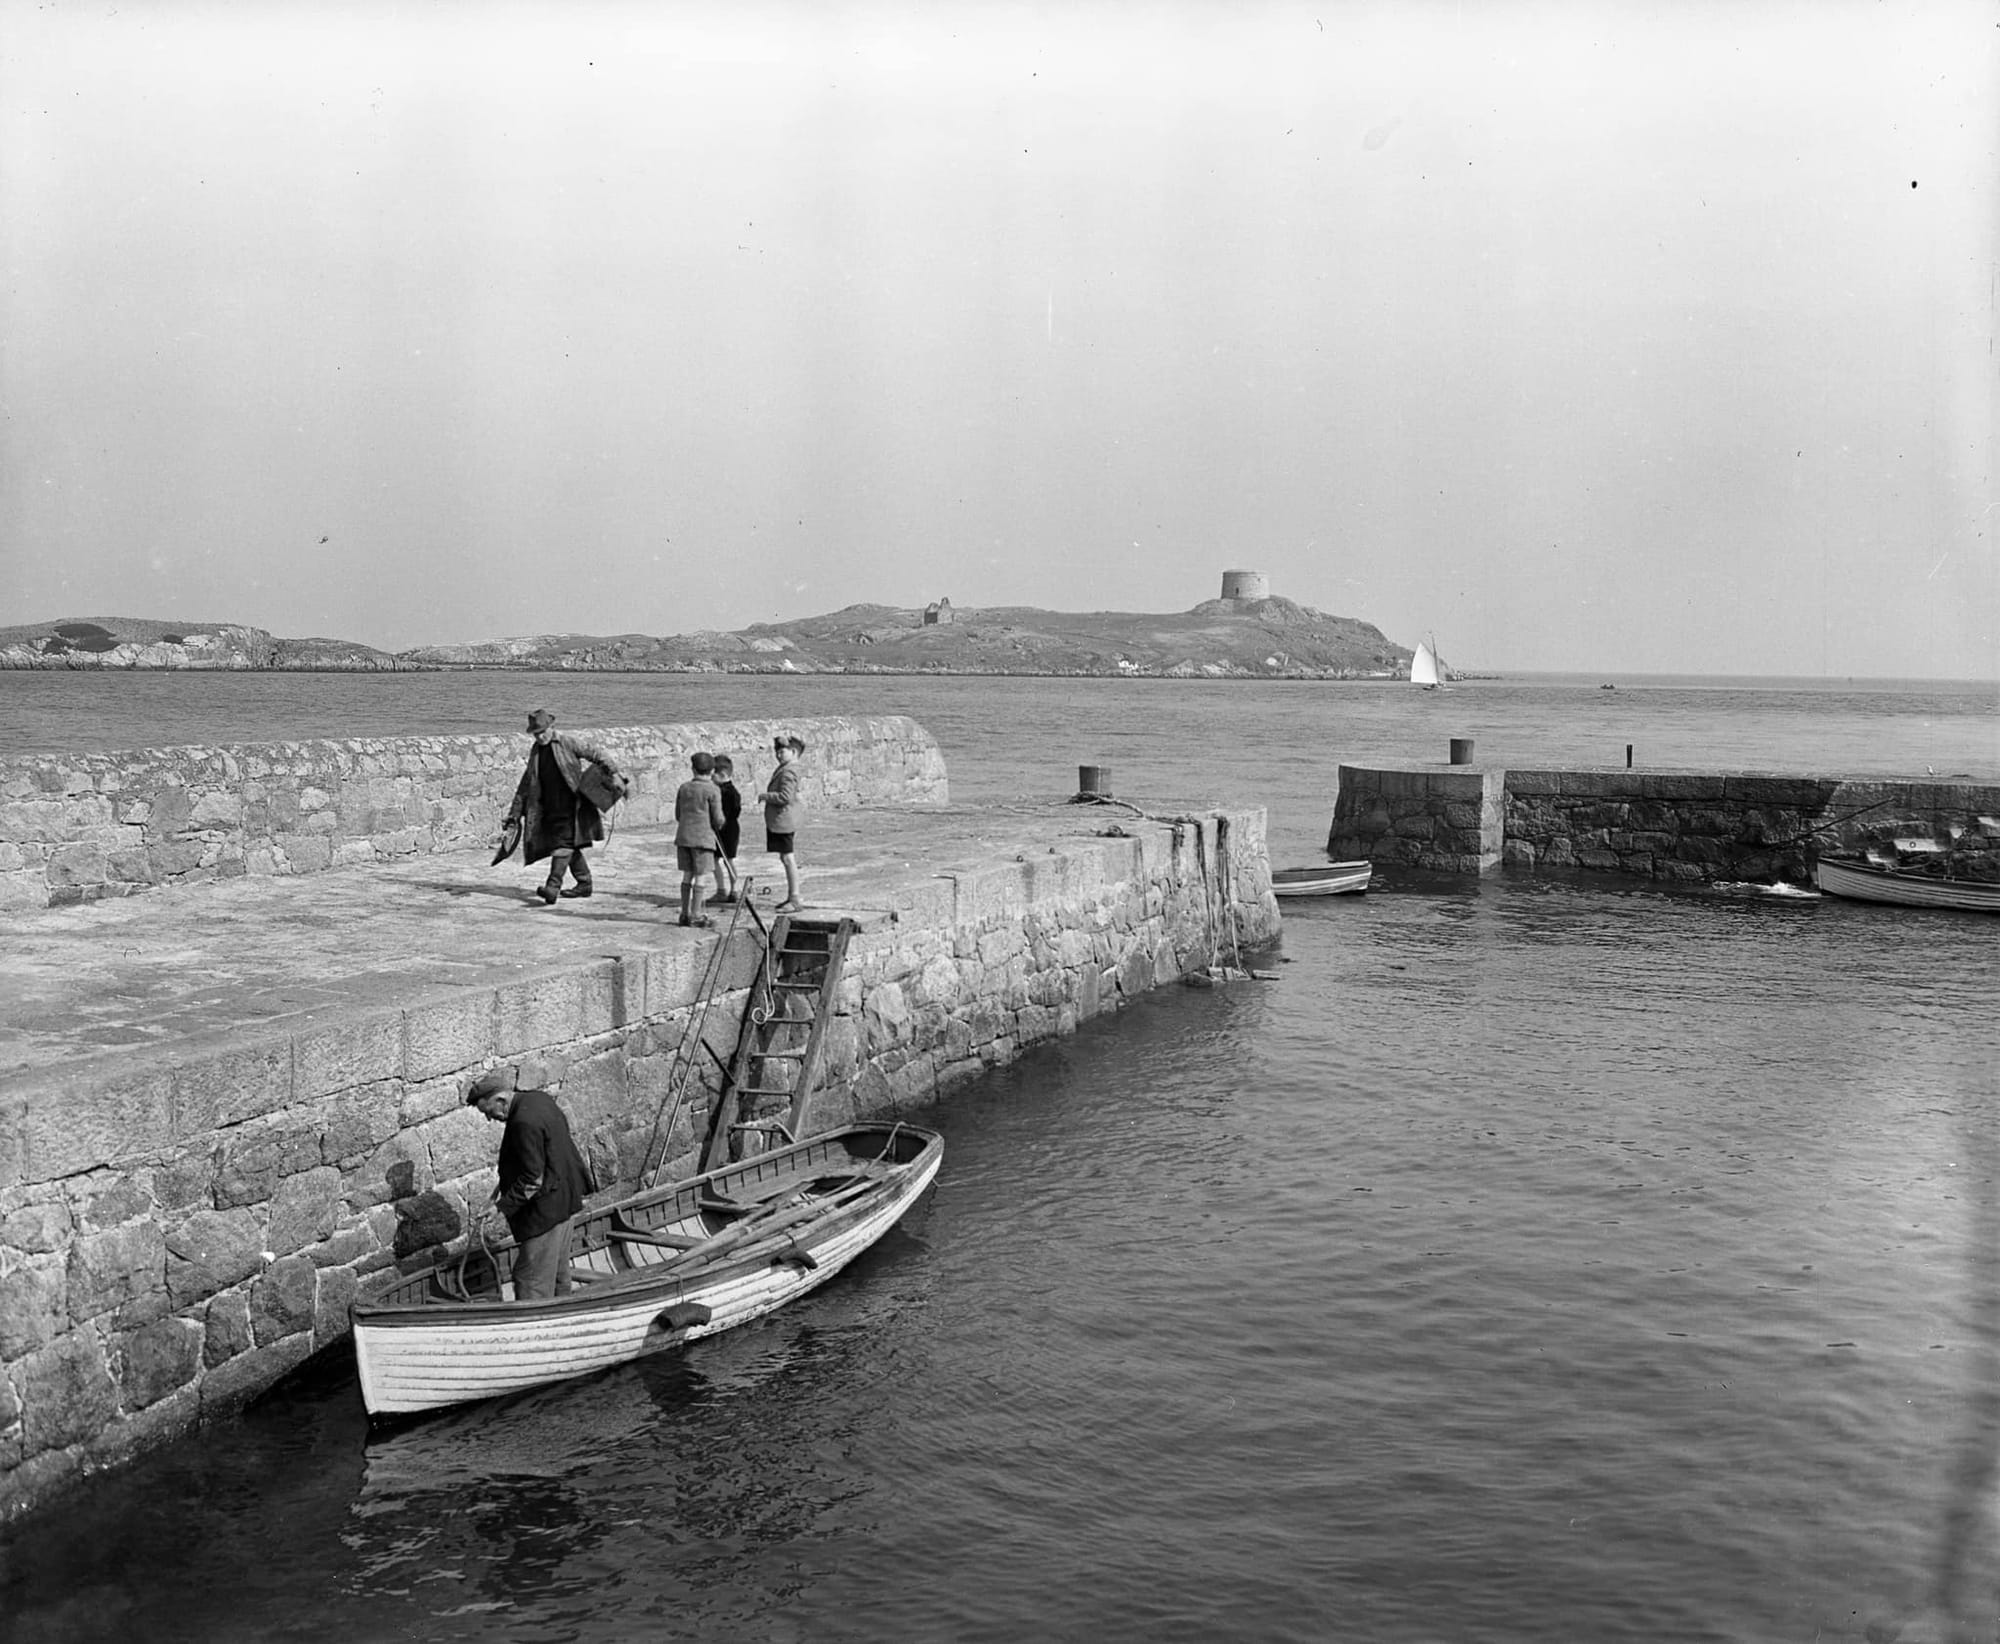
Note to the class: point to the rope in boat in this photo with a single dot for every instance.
(464, 1256)
(895, 1130)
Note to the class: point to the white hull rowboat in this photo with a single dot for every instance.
(1330, 879)
(1864, 882)
(663, 1267)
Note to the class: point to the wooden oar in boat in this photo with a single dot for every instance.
(759, 1225)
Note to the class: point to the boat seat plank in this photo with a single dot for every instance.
(665, 1241)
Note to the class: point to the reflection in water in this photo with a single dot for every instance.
(1968, 1582)
(658, 1476)
(1540, 1261)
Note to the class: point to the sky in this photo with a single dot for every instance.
(1587, 336)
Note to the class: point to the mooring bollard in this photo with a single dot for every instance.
(1093, 782)
(1628, 756)
(1461, 750)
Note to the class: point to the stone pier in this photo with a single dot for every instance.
(82, 827)
(233, 1106)
(1680, 825)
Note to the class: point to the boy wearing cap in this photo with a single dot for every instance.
(543, 1180)
(556, 820)
(697, 817)
(730, 834)
(782, 804)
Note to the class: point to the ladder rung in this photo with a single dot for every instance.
(765, 1090)
(780, 1055)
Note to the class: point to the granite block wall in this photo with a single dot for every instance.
(1699, 826)
(1681, 825)
(1438, 818)
(180, 1229)
(76, 827)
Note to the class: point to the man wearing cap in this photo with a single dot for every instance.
(543, 1180)
(557, 820)
(781, 802)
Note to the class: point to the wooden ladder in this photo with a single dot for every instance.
(783, 1036)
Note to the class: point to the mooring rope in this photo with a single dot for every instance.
(680, 1071)
(1212, 893)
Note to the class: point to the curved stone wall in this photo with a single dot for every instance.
(76, 827)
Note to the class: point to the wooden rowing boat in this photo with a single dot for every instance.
(1867, 882)
(1329, 879)
(663, 1267)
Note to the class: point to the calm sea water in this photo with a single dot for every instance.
(1533, 1259)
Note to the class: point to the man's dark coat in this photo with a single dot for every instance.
(543, 1179)
(538, 827)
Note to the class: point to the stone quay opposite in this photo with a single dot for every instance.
(1689, 826)
(233, 1106)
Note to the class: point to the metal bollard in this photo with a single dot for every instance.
(1461, 750)
(1093, 782)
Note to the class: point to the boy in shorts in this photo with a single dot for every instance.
(782, 805)
(730, 834)
(697, 814)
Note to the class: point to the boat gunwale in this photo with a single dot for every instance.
(1875, 882)
(1334, 879)
(611, 1290)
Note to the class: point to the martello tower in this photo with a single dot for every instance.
(1245, 585)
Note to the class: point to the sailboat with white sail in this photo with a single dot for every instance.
(1426, 668)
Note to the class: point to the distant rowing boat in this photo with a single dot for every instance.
(663, 1267)
(1330, 879)
(1866, 882)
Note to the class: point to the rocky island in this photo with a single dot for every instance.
(1248, 633)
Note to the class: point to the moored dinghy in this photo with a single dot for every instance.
(663, 1267)
(1862, 881)
(1328, 879)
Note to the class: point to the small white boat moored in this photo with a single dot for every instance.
(1867, 882)
(1329, 879)
(666, 1266)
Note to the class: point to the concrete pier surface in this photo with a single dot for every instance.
(229, 1108)
(252, 955)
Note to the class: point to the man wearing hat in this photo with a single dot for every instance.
(543, 1180)
(556, 818)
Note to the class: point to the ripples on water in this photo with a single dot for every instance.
(1536, 1259)
(1529, 1262)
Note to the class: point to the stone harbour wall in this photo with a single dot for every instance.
(76, 827)
(1438, 818)
(1707, 826)
(180, 1230)
(1680, 825)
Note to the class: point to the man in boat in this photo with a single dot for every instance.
(543, 1180)
(553, 807)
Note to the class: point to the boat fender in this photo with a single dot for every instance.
(1263, 976)
(684, 1315)
(796, 1253)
